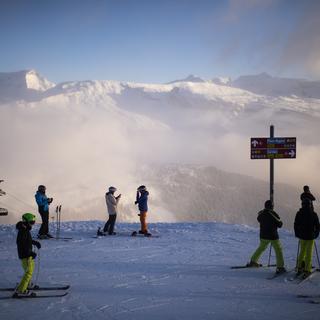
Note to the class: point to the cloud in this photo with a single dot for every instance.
(302, 50)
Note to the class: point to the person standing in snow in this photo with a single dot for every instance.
(43, 207)
(142, 201)
(269, 223)
(25, 253)
(112, 205)
(306, 228)
(307, 195)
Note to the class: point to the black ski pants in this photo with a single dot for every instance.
(44, 229)
(109, 226)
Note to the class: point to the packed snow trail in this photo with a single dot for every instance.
(183, 274)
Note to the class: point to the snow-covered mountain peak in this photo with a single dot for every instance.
(36, 82)
(189, 78)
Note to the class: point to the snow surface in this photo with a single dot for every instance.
(183, 274)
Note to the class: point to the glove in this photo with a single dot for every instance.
(37, 244)
(33, 255)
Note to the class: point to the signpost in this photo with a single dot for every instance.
(273, 148)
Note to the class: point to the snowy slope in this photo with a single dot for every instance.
(80, 137)
(183, 274)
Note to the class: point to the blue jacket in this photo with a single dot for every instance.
(42, 201)
(142, 200)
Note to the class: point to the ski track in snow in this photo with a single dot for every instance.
(183, 274)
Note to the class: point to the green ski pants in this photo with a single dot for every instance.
(263, 246)
(305, 256)
(28, 267)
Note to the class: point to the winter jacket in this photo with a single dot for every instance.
(142, 200)
(306, 224)
(307, 195)
(24, 241)
(42, 201)
(112, 203)
(269, 224)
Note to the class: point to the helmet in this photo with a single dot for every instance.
(112, 189)
(29, 217)
(42, 188)
(306, 189)
(142, 188)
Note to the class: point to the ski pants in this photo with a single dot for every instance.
(143, 222)
(44, 229)
(264, 245)
(109, 226)
(305, 256)
(28, 267)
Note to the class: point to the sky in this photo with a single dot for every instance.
(160, 41)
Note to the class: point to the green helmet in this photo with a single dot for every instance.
(29, 217)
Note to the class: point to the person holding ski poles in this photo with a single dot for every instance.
(142, 201)
(269, 223)
(112, 205)
(306, 228)
(43, 203)
(25, 253)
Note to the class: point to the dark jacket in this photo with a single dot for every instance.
(306, 224)
(269, 224)
(24, 241)
(307, 195)
(142, 200)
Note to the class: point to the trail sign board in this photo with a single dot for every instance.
(273, 148)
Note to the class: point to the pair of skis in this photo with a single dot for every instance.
(275, 275)
(35, 292)
(313, 298)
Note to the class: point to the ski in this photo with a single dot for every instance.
(37, 296)
(308, 296)
(314, 301)
(248, 267)
(276, 275)
(38, 288)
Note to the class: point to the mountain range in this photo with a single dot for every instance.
(79, 137)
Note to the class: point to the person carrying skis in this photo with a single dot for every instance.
(43, 207)
(142, 201)
(112, 205)
(269, 223)
(307, 195)
(306, 228)
(25, 253)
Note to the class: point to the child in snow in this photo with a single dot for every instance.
(306, 228)
(112, 205)
(269, 223)
(142, 201)
(25, 253)
(43, 207)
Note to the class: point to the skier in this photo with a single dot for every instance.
(142, 201)
(25, 253)
(43, 207)
(269, 223)
(307, 195)
(112, 205)
(306, 228)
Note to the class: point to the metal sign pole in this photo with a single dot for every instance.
(271, 169)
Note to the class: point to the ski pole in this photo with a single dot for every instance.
(38, 268)
(59, 218)
(298, 251)
(269, 255)
(315, 246)
(57, 221)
